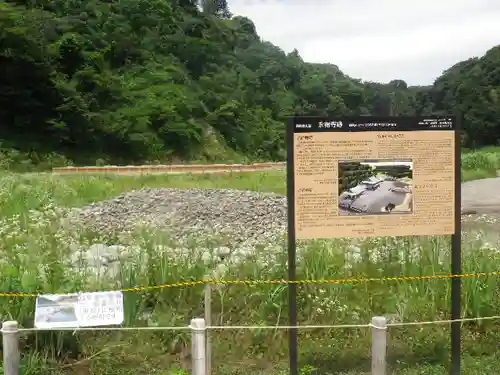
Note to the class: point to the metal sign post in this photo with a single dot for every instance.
(456, 262)
(292, 287)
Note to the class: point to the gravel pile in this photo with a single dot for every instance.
(240, 215)
(239, 220)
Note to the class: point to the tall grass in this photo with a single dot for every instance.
(480, 164)
(36, 245)
(37, 267)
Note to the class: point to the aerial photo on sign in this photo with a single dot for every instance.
(375, 187)
(56, 310)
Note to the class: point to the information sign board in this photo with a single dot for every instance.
(362, 177)
(79, 310)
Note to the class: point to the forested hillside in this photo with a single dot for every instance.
(158, 80)
(472, 87)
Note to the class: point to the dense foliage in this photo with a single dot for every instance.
(472, 89)
(396, 171)
(352, 174)
(154, 80)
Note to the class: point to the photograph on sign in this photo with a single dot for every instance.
(79, 310)
(372, 177)
(375, 187)
(56, 311)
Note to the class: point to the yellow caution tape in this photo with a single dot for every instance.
(283, 281)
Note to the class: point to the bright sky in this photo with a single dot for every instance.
(379, 40)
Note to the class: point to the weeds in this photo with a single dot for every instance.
(36, 246)
(481, 164)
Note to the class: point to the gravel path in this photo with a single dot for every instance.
(481, 196)
(481, 208)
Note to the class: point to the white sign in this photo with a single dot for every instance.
(79, 310)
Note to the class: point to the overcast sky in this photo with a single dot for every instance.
(379, 40)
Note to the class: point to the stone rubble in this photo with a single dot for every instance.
(242, 220)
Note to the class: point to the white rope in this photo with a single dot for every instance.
(256, 327)
(479, 318)
(73, 329)
(328, 326)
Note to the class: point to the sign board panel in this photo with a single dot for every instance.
(373, 176)
(79, 310)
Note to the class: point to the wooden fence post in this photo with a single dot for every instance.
(11, 355)
(198, 350)
(379, 345)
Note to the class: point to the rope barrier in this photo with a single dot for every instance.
(73, 329)
(343, 326)
(346, 281)
(270, 327)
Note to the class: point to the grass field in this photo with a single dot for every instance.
(34, 241)
(480, 164)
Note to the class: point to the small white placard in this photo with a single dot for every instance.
(79, 310)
